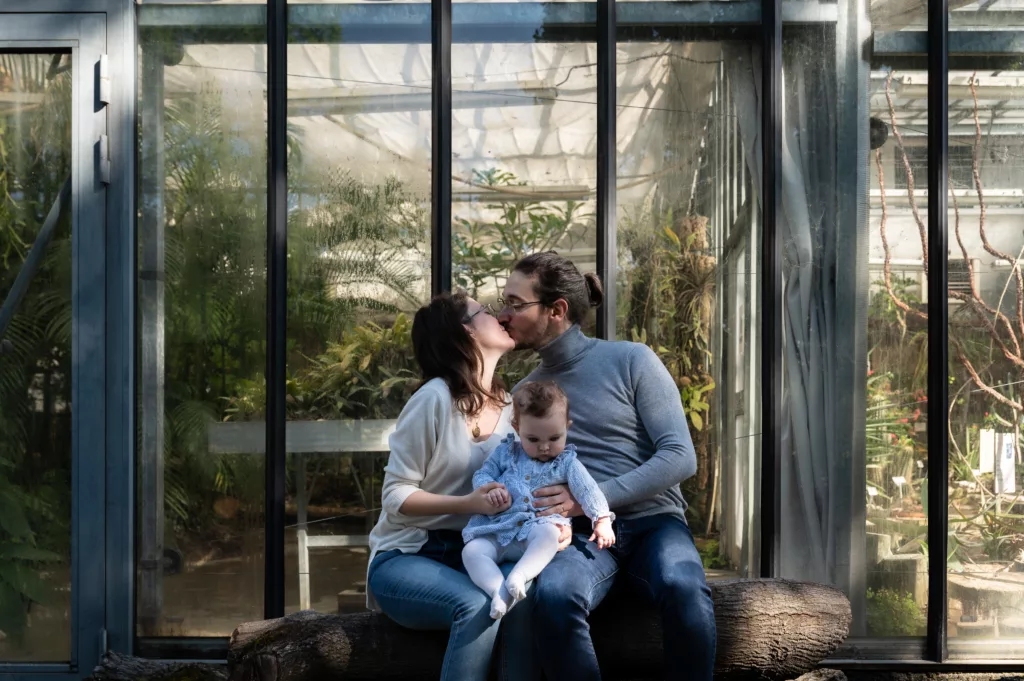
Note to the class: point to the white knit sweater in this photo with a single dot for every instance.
(430, 451)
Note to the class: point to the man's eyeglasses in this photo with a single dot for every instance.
(483, 308)
(516, 307)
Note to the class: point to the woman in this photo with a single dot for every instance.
(444, 434)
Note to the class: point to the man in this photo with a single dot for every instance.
(631, 434)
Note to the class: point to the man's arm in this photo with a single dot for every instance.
(658, 403)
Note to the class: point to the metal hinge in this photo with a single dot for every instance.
(104, 168)
(104, 85)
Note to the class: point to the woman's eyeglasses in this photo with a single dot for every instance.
(483, 308)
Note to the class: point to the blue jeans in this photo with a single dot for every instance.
(654, 559)
(430, 590)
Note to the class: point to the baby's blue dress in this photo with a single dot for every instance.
(510, 465)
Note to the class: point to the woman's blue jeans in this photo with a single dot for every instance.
(430, 590)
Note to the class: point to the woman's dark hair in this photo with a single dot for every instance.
(445, 349)
(558, 278)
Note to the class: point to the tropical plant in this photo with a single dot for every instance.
(352, 256)
(671, 300)
(524, 221)
(891, 613)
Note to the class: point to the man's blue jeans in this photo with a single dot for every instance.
(654, 560)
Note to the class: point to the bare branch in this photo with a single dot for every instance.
(921, 228)
(885, 245)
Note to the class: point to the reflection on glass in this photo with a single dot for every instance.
(201, 331)
(35, 360)
(687, 270)
(524, 165)
(359, 266)
(986, 187)
(854, 440)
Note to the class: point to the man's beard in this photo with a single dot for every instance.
(536, 339)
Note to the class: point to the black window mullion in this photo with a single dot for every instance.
(277, 302)
(938, 313)
(441, 147)
(771, 285)
(606, 160)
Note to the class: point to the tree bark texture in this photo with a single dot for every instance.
(767, 629)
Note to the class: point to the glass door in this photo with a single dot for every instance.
(52, 349)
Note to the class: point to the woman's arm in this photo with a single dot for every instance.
(425, 503)
(413, 444)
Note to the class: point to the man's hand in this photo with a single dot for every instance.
(564, 537)
(556, 500)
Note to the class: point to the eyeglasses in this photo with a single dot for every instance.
(483, 308)
(516, 307)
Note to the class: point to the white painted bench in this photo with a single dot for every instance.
(302, 438)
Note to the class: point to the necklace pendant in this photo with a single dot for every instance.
(476, 430)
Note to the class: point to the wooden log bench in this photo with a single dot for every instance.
(769, 630)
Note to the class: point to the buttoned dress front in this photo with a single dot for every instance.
(510, 465)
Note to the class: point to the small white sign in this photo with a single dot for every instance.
(872, 492)
(1005, 465)
(899, 480)
(988, 451)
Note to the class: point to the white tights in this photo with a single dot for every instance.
(482, 555)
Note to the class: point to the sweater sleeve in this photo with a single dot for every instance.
(586, 490)
(661, 411)
(493, 467)
(412, 444)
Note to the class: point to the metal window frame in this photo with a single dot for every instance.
(277, 304)
(112, 466)
(613, 20)
(771, 286)
(938, 329)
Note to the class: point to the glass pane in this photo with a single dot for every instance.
(201, 321)
(359, 266)
(524, 164)
(35, 360)
(895, 430)
(985, 15)
(854, 487)
(986, 182)
(688, 260)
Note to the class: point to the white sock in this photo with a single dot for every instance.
(541, 547)
(480, 556)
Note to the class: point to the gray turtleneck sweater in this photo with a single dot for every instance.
(628, 423)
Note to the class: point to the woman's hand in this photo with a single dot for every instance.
(556, 500)
(488, 499)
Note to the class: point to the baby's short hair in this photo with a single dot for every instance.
(538, 398)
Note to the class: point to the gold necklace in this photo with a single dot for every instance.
(476, 430)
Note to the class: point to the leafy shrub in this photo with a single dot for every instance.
(891, 613)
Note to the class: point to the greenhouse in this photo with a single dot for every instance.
(218, 218)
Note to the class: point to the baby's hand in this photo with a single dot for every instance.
(499, 497)
(603, 533)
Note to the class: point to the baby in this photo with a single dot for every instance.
(540, 458)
